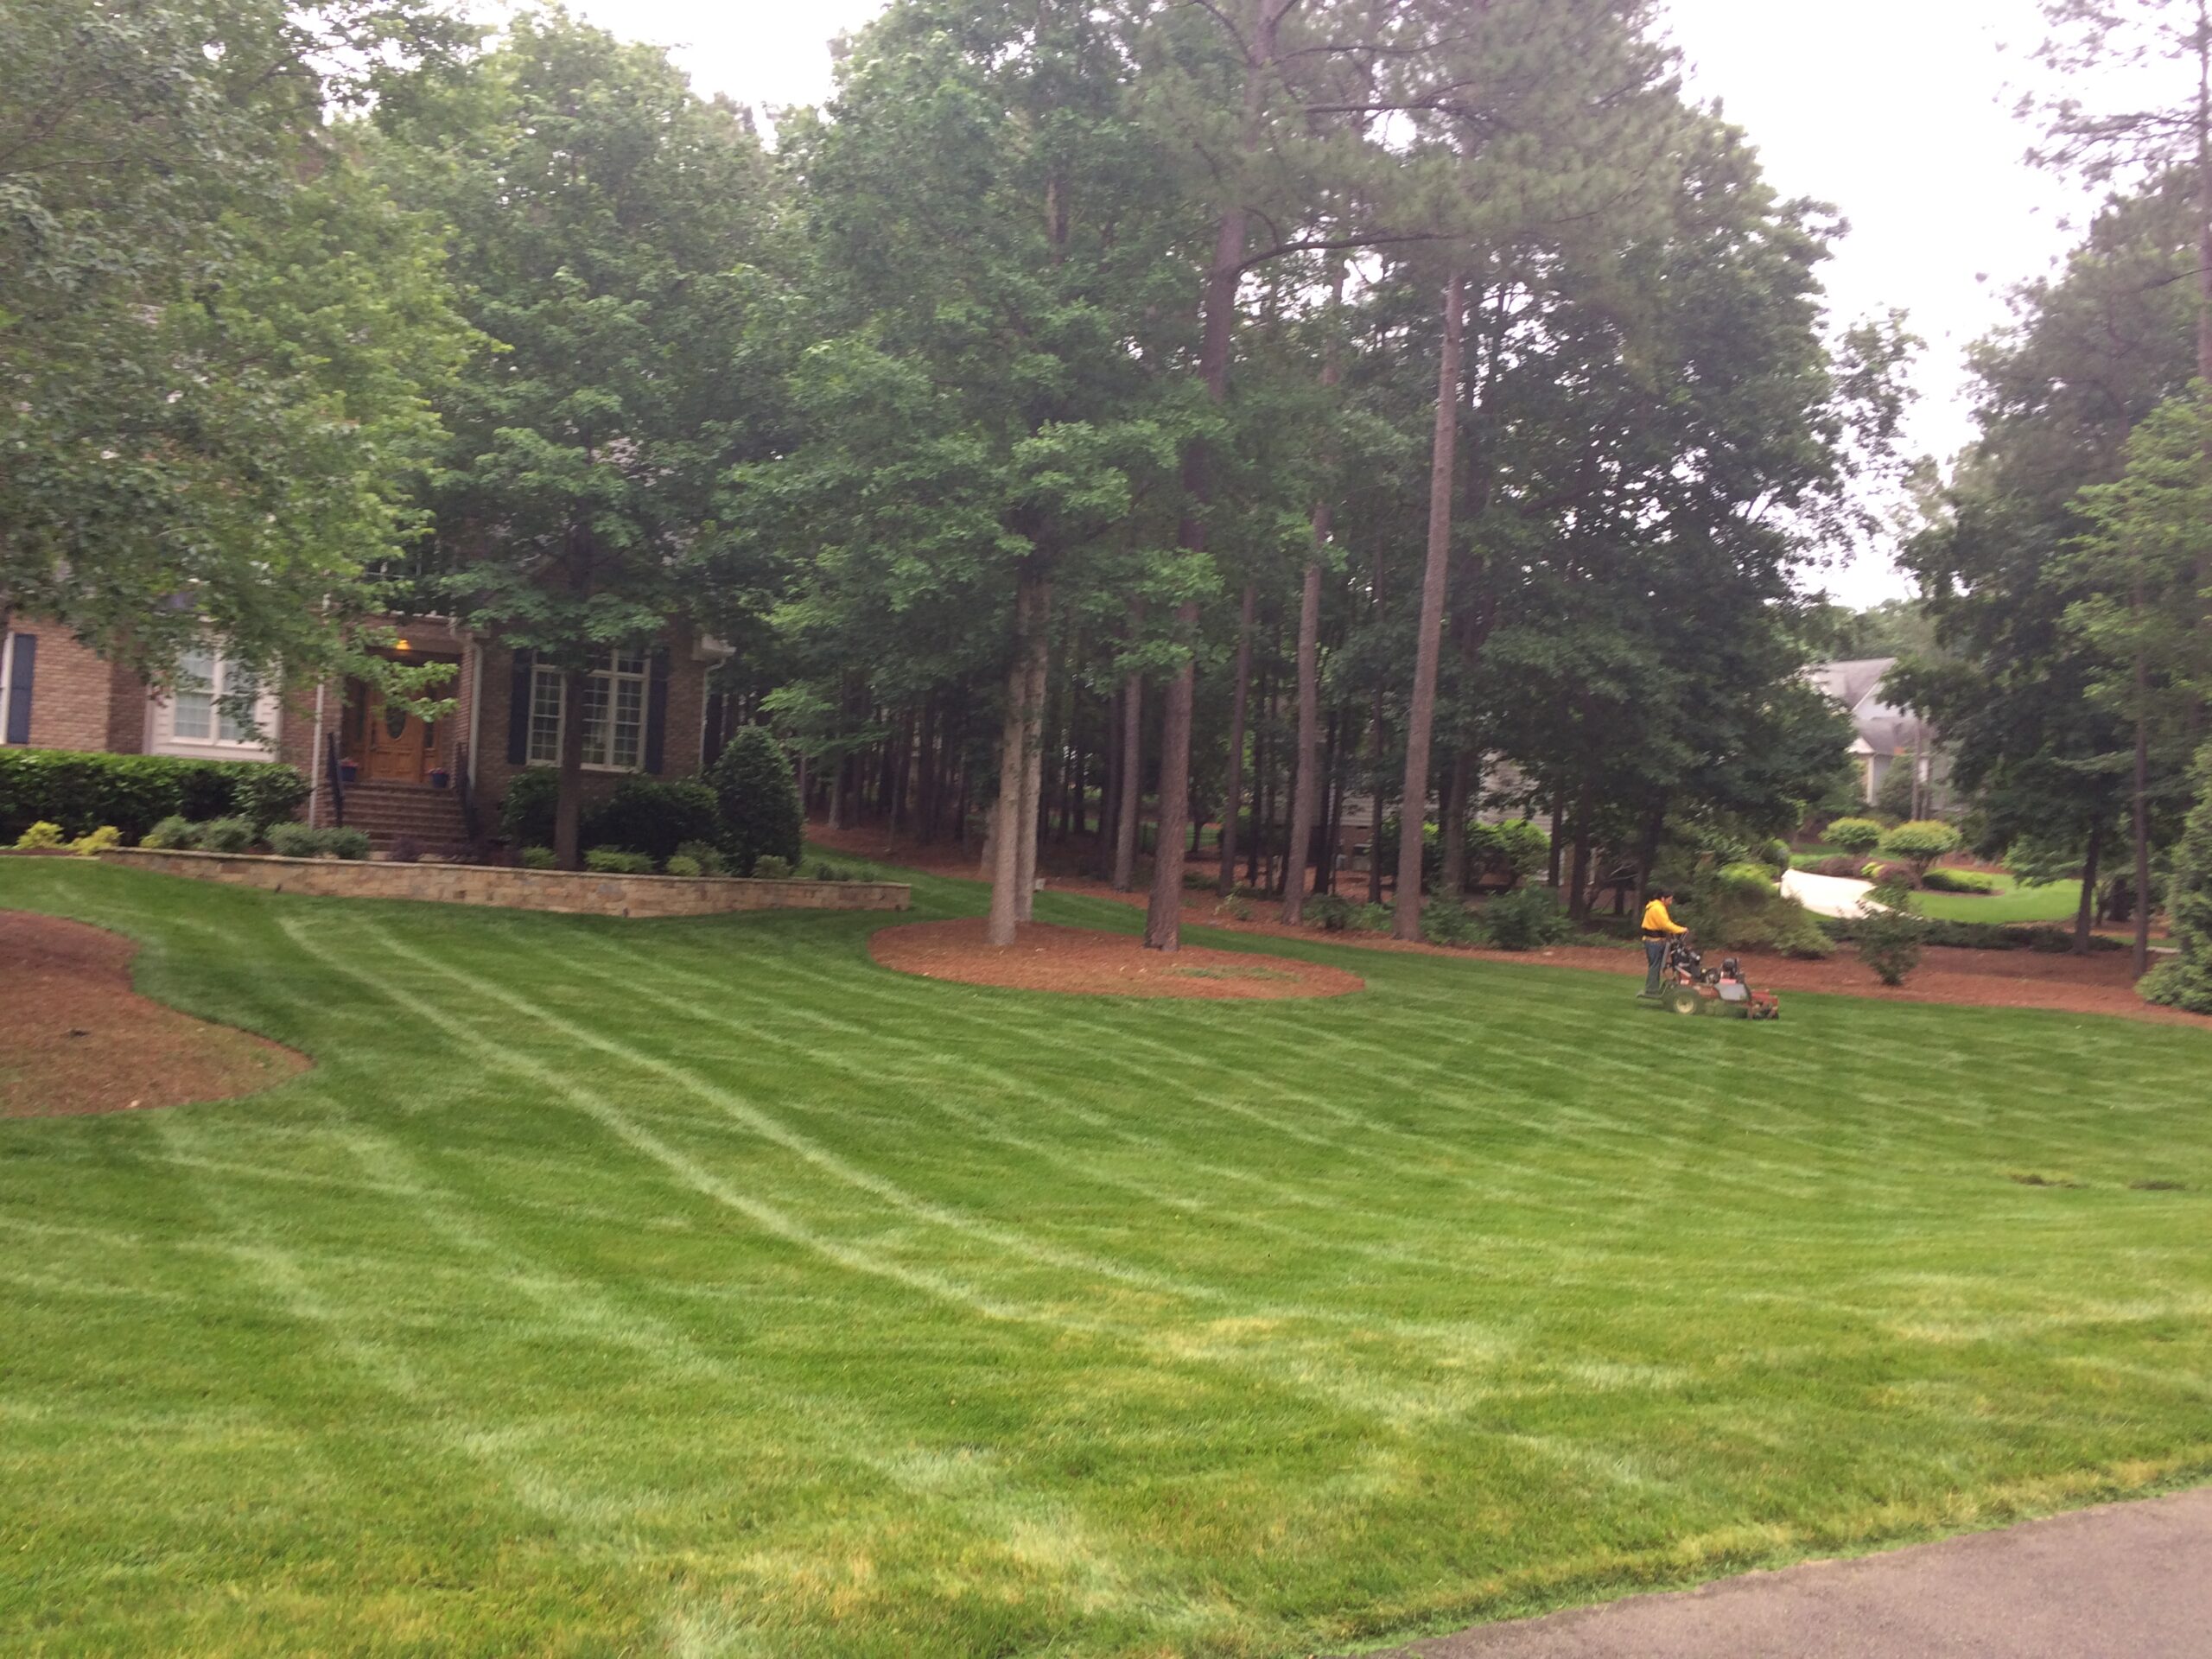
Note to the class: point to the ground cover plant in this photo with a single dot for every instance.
(700, 1287)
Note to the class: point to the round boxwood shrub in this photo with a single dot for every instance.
(1860, 835)
(1920, 842)
(1745, 881)
(758, 801)
(228, 835)
(1524, 920)
(526, 814)
(646, 815)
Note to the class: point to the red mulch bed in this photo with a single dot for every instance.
(2102, 984)
(1081, 962)
(75, 1038)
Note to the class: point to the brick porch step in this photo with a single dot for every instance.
(387, 811)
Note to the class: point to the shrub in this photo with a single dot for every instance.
(618, 861)
(1860, 835)
(1979, 881)
(98, 841)
(1330, 911)
(1448, 922)
(1776, 856)
(537, 858)
(759, 802)
(1894, 798)
(1848, 865)
(295, 841)
(772, 867)
(652, 818)
(1371, 919)
(350, 844)
(173, 831)
(683, 864)
(82, 792)
(1800, 936)
(1511, 852)
(526, 814)
(826, 871)
(2186, 981)
(228, 835)
(404, 849)
(1901, 876)
(1237, 907)
(705, 855)
(1524, 920)
(1889, 934)
(39, 836)
(1745, 881)
(1920, 842)
(268, 794)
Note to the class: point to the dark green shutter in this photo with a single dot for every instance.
(657, 712)
(19, 688)
(518, 710)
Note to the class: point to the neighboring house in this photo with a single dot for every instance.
(649, 713)
(1884, 736)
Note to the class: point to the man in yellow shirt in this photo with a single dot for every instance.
(1660, 928)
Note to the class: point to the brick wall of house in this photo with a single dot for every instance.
(79, 699)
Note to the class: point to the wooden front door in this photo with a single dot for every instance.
(401, 747)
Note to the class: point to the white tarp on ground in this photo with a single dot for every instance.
(1826, 895)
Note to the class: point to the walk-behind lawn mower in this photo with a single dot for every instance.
(1688, 986)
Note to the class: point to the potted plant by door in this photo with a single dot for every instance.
(348, 770)
(440, 778)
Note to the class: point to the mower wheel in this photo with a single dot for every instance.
(1683, 999)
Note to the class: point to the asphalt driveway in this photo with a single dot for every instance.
(2129, 1580)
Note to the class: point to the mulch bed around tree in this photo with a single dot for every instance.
(2103, 983)
(1081, 962)
(75, 1038)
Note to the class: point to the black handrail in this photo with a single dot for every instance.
(337, 782)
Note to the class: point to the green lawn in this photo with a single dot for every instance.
(698, 1287)
(2058, 902)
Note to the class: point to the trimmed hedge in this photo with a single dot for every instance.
(1975, 881)
(81, 791)
(1980, 936)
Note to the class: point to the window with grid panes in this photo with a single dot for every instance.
(613, 712)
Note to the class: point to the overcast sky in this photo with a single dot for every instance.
(1898, 111)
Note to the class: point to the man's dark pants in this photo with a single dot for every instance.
(1655, 956)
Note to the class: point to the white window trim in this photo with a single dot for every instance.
(7, 681)
(161, 738)
(559, 676)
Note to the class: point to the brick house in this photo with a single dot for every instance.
(381, 769)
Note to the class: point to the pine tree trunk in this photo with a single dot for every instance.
(1131, 805)
(1305, 786)
(1259, 860)
(568, 801)
(1036, 684)
(1421, 718)
(1452, 827)
(1578, 905)
(1002, 851)
(1335, 784)
(1239, 707)
(2085, 916)
(2142, 815)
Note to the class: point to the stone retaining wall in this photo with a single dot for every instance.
(573, 892)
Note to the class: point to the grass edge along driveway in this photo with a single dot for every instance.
(697, 1286)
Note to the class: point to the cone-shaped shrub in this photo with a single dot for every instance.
(2186, 982)
(758, 800)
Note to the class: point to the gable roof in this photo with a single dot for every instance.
(1852, 683)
